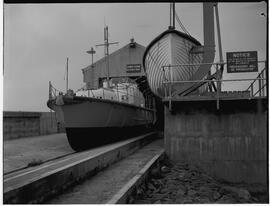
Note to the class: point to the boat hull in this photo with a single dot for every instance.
(91, 122)
(86, 138)
(170, 48)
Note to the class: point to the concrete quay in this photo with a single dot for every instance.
(118, 183)
(18, 153)
(34, 185)
(230, 143)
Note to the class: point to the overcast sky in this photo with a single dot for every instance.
(38, 39)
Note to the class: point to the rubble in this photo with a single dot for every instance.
(188, 184)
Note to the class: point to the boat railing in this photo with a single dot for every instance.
(53, 92)
(216, 84)
(123, 94)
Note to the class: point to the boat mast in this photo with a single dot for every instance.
(106, 51)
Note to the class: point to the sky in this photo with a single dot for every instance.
(39, 37)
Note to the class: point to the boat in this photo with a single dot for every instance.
(170, 48)
(101, 119)
(105, 115)
(177, 56)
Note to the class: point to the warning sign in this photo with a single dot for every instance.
(242, 61)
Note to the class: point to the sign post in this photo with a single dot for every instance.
(242, 62)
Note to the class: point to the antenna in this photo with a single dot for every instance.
(92, 52)
(106, 50)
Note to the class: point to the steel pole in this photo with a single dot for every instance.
(67, 78)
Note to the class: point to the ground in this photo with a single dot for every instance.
(19, 153)
(174, 183)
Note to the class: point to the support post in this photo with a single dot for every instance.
(117, 92)
(251, 90)
(67, 78)
(218, 86)
(260, 85)
(263, 85)
(219, 46)
(50, 90)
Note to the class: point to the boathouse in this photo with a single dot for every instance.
(125, 63)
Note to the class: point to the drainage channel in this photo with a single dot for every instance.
(41, 183)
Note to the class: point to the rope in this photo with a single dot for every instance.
(181, 25)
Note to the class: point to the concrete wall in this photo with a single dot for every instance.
(48, 123)
(26, 124)
(230, 143)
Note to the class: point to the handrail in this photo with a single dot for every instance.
(221, 80)
(53, 92)
(198, 64)
(172, 85)
(261, 83)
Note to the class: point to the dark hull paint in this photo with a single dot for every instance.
(87, 138)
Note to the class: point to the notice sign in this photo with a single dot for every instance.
(242, 61)
(133, 68)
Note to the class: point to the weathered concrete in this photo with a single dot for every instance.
(27, 124)
(130, 189)
(40, 183)
(20, 124)
(18, 153)
(230, 143)
(115, 184)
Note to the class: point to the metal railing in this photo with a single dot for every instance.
(53, 92)
(171, 87)
(262, 85)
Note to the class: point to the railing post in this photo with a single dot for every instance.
(262, 75)
(260, 85)
(164, 81)
(127, 95)
(170, 98)
(170, 71)
(251, 89)
(218, 85)
(266, 77)
(117, 93)
(50, 90)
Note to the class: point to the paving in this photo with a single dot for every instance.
(18, 153)
(103, 186)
